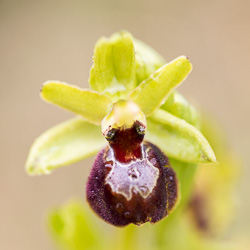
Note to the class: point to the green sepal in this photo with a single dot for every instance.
(178, 139)
(93, 106)
(154, 91)
(177, 105)
(113, 70)
(147, 60)
(64, 144)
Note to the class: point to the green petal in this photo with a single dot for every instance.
(178, 139)
(153, 92)
(147, 60)
(64, 144)
(177, 105)
(113, 70)
(91, 105)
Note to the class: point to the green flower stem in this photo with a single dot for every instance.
(127, 238)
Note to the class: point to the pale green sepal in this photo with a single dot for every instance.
(177, 105)
(113, 70)
(154, 91)
(178, 139)
(93, 106)
(64, 144)
(147, 60)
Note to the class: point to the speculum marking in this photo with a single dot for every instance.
(138, 176)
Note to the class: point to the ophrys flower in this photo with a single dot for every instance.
(132, 94)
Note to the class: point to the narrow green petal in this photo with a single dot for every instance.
(178, 139)
(153, 92)
(177, 105)
(92, 105)
(147, 60)
(64, 144)
(113, 70)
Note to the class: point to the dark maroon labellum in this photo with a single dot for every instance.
(131, 181)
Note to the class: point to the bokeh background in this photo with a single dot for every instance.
(49, 39)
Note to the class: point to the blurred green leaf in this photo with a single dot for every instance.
(73, 228)
(147, 60)
(178, 139)
(178, 233)
(153, 91)
(113, 70)
(216, 186)
(177, 105)
(64, 144)
(91, 105)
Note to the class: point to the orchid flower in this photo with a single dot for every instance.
(139, 124)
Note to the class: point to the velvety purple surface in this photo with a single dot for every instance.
(115, 208)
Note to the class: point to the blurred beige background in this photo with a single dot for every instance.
(41, 40)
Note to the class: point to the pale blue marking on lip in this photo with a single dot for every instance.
(136, 176)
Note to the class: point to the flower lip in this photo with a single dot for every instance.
(139, 191)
